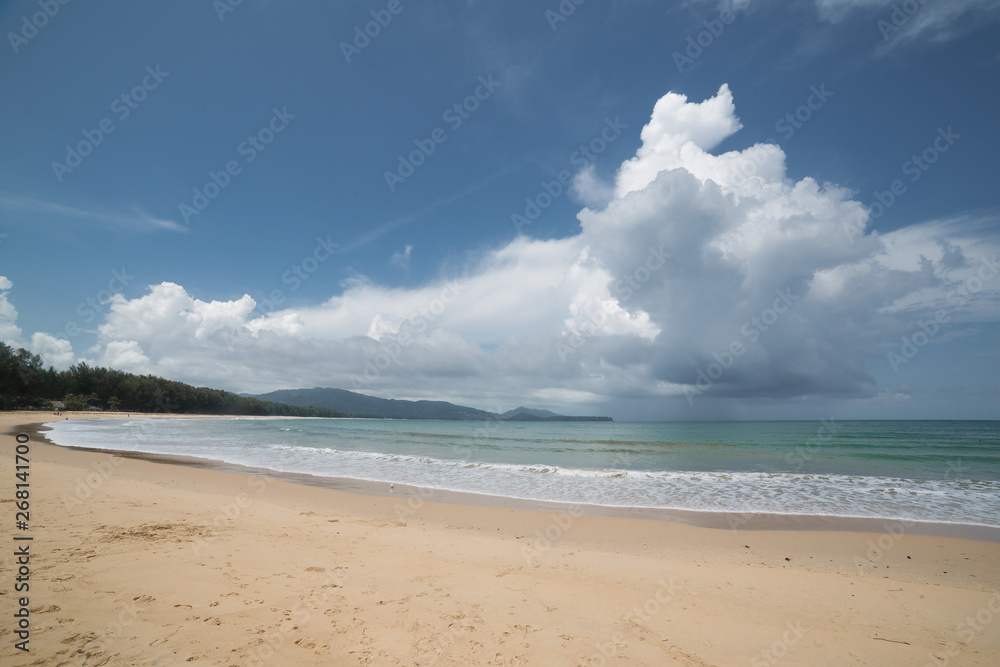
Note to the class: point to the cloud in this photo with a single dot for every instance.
(902, 22)
(138, 220)
(126, 354)
(678, 130)
(10, 333)
(591, 189)
(836, 11)
(401, 258)
(699, 277)
(381, 230)
(141, 318)
(55, 352)
(956, 260)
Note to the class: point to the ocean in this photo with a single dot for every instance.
(940, 471)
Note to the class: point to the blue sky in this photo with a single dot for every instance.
(200, 191)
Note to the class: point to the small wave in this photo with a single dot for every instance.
(547, 472)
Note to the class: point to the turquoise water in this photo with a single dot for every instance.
(922, 470)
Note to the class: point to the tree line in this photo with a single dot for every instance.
(25, 383)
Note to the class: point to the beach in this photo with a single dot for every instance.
(143, 562)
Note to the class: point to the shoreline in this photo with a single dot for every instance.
(138, 562)
(697, 518)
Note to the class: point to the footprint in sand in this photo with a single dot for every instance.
(162, 640)
(45, 609)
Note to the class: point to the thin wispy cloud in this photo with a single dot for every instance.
(931, 21)
(408, 218)
(401, 258)
(138, 220)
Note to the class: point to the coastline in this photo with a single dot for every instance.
(702, 518)
(141, 562)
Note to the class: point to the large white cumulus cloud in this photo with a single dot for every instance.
(740, 235)
(704, 276)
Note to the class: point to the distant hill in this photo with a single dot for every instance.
(352, 402)
(528, 411)
(372, 406)
(526, 417)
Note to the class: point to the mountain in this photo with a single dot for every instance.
(372, 406)
(525, 417)
(534, 412)
(352, 402)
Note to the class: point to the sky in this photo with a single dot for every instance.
(748, 209)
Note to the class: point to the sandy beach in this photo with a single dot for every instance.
(133, 562)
